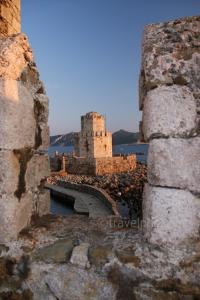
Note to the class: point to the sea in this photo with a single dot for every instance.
(140, 150)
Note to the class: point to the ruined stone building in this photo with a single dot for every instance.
(24, 132)
(93, 150)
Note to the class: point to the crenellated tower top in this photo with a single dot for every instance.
(92, 122)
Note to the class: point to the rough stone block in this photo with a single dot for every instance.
(37, 170)
(10, 10)
(80, 255)
(15, 24)
(42, 107)
(170, 215)
(175, 163)
(45, 138)
(41, 103)
(15, 215)
(23, 129)
(171, 55)
(6, 13)
(9, 173)
(40, 202)
(15, 55)
(169, 111)
(17, 120)
(44, 203)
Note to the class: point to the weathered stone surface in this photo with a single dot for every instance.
(69, 282)
(15, 215)
(175, 163)
(80, 255)
(15, 56)
(170, 215)
(169, 111)
(3, 249)
(42, 202)
(9, 172)
(17, 121)
(23, 134)
(170, 100)
(37, 170)
(44, 138)
(58, 252)
(150, 293)
(41, 110)
(10, 17)
(159, 275)
(171, 55)
(128, 256)
(99, 255)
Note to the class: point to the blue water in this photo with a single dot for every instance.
(60, 208)
(140, 150)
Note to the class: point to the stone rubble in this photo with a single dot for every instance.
(122, 264)
(80, 256)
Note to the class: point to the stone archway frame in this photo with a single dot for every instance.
(170, 101)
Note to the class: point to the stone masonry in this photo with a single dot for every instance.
(24, 137)
(170, 100)
(93, 150)
(93, 140)
(100, 166)
(10, 21)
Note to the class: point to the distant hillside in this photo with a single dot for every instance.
(119, 137)
(124, 137)
(62, 139)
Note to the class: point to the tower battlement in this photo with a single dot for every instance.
(92, 122)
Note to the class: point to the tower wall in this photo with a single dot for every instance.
(94, 140)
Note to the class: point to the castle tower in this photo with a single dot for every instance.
(94, 141)
(10, 20)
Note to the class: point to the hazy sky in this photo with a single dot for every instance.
(88, 54)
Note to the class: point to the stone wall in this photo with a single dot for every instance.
(9, 17)
(116, 164)
(24, 137)
(170, 100)
(80, 165)
(100, 166)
